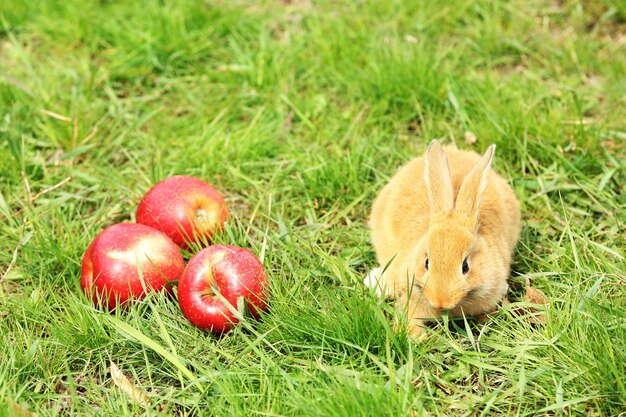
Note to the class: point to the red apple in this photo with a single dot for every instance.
(218, 275)
(127, 260)
(186, 209)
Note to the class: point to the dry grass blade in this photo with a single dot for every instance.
(15, 252)
(47, 190)
(123, 383)
(56, 115)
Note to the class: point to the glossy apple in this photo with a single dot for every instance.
(185, 208)
(127, 260)
(218, 275)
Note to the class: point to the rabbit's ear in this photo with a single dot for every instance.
(473, 186)
(437, 178)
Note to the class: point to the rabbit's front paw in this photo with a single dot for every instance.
(375, 281)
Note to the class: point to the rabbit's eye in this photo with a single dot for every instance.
(426, 264)
(465, 266)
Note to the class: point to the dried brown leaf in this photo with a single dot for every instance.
(505, 301)
(612, 145)
(127, 387)
(298, 4)
(535, 296)
(17, 410)
(289, 121)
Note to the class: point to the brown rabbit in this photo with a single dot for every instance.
(445, 227)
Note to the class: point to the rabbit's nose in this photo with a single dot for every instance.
(442, 305)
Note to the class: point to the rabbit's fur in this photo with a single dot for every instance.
(451, 208)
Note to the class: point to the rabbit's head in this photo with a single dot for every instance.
(451, 263)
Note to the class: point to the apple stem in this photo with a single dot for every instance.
(209, 292)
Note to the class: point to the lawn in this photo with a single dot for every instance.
(299, 112)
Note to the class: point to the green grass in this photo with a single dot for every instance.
(300, 113)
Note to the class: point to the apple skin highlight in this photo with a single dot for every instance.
(126, 261)
(231, 271)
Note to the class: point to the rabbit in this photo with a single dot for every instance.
(444, 229)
